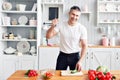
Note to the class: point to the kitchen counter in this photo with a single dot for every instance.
(19, 75)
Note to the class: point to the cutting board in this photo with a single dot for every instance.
(68, 73)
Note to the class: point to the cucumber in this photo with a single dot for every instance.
(74, 71)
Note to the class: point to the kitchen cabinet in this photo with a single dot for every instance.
(9, 66)
(19, 26)
(100, 56)
(28, 62)
(12, 63)
(85, 62)
(48, 57)
(22, 31)
(116, 60)
(95, 57)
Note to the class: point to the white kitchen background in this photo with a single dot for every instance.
(95, 30)
(89, 20)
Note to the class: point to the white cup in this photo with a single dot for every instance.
(20, 7)
(6, 20)
(33, 22)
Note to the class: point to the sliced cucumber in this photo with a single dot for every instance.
(74, 71)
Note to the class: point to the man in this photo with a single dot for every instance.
(72, 35)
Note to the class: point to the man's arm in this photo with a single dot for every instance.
(51, 32)
(83, 52)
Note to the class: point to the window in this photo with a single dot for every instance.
(53, 12)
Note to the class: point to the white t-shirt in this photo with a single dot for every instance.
(70, 36)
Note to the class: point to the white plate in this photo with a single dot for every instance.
(9, 50)
(68, 73)
(22, 20)
(7, 6)
(110, 7)
(23, 46)
(118, 8)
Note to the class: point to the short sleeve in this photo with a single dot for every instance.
(84, 33)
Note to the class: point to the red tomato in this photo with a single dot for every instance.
(108, 75)
(91, 76)
(92, 72)
(100, 75)
(48, 74)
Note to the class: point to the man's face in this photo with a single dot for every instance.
(74, 16)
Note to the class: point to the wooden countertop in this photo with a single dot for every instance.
(19, 75)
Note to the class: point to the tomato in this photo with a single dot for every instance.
(108, 75)
(92, 72)
(100, 75)
(48, 74)
(91, 76)
(32, 73)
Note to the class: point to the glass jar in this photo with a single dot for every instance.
(14, 22)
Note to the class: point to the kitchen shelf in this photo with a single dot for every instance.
(25, 12)
(109, 1)
(109, 22)
(16, 26)
(109, 11)
(87, 13)
(105, 9)
(53, 3)
(23, 30)
(18, 40)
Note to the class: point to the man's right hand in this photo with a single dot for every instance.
(54, 22)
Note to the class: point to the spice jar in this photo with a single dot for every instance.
(14, 22)
(105, 41)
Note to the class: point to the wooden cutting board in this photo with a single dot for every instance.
(68, 73)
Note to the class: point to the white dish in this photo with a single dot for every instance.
(22, 20)
(9, 50)
(68, 73)
(7, 6)
(118, 8)
(23, 46)
(110, 7)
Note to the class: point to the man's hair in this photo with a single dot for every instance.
(75, 8)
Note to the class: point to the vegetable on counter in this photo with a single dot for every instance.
(101, 73)
(31, 73)
(74, 71)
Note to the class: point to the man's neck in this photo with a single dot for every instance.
(71, 24)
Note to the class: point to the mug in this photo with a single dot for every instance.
(33, 22)
(20, 7)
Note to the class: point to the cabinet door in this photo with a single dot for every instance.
(48, 57)
(116, 60)
(28, 62)
(10, 65)
(85, 62)
(1, 67)
(100, 56)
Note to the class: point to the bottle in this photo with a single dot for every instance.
(105, 41)
(32, 35)
(112, 41)
(44, 41)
